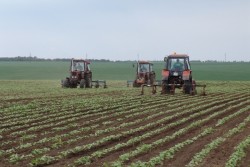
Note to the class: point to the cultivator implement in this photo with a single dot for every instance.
(172, 87)
(146, 85)
(96, 84)
(99, 83)
(130, 83)
(193, 90)
(153, 86)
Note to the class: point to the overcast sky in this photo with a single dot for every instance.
(124, 29)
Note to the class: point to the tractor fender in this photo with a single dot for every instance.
(186, 75)
(165, 74)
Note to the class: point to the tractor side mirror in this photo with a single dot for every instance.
(133, 65)
(165, 59)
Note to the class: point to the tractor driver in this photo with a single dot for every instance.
(178, 65)
(79, 67)
(143, 68)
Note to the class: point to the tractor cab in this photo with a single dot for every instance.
(79, 65)
(80, 69)
(144, 67)
(179, 64)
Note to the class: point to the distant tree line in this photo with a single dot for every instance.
(30, 58)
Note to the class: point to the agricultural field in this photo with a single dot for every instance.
(43, 124)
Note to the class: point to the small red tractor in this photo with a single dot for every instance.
(80, 74)
(178, 74)
(144, 74)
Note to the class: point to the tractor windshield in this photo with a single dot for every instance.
(143, 68)
(78, 66)
(176, 64)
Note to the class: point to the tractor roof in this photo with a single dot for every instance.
(178, 56)
(144, 62)
(81, 60)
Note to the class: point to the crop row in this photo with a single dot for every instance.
(120, 135)
(145, 110)
(141, 149)
(197, 159)
(99, 132)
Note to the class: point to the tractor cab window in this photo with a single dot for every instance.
(176, 64)
(151, 67)
(79, 66)
(187, 65)
(88, 67)
(143, 68)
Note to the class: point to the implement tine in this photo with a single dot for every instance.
(142, 89)
(203, 92)
(153, 88)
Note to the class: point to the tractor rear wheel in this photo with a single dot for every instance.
(82, 83)
(152, 78)
(135, 84)
(88, 83)
(193, 88)
(165, 88)
(187, 87)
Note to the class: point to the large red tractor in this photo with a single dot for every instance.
(178, 74)
(80, 74)
(144, 74)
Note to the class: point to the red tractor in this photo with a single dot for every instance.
(178, 74)
(80, 74)
(144, 74)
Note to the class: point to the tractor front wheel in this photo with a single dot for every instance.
(65, 83)
(82, 83)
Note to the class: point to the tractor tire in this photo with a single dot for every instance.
(65, 83)
(82, 83)
(165, 88)
(152, 78)
(136, 85)
(152, 81)
(88, 83)
(72, 83)
(193, 88)
(187, 87)
(97, 85)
